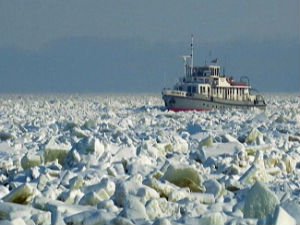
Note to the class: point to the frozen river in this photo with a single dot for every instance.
(124, 159)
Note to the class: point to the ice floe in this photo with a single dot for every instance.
(96, 159)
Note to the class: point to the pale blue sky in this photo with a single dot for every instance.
(36, 25)
(30, 23)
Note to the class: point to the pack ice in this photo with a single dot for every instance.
(124, 159)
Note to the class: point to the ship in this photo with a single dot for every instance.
(204, 88)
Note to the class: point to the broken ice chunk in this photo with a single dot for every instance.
(225, 149)
(213, 218)
(184, 176)
(177, 195)
(134, 209)
(76, 182)
(272, 159)
(146, 193)
(202, 198)
(206, 141)
(91, 198)
(108, 205)
(257, 171)
(229, 138)
(42, 181)
(281, 119)
(5, 136)
(35, 173)
(289, 164)
(232, 185)
(254, 136)
(214, 187)
(104, 185)
(251, 149)
(3, 191)
(180, 145)
(163, 188)
(55, 151)
(55, 206)
(159, 208)
(80, 133)
(70, 196)
(41, 218)
(7, 208)
(123, 189)
(294, 138)
(273, 171)
(19, 195)
(281, 217)
(293, 208)
(90, 145)
(120, 221)
(30, 160)
(260, 201)
(162, 221)
(17, 221)
(91, 217)
(90, 124)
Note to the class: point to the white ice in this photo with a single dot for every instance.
(124, 159)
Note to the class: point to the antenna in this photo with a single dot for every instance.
(192, 55)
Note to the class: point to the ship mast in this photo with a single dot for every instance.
(192, 55)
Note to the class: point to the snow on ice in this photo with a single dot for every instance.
(89, 159)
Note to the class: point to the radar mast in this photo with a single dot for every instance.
(192, 55)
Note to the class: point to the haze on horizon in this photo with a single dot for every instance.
(135, 46)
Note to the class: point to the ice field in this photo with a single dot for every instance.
(124, 159)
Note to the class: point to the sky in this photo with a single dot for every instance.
(135, 46)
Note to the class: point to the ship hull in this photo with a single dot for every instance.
(187, 103)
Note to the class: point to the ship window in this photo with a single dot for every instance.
(180, 88)
(194, 89)
(189, 89)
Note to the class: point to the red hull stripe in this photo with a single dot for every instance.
(184, 109)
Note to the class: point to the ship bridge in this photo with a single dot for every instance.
(202, 71)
